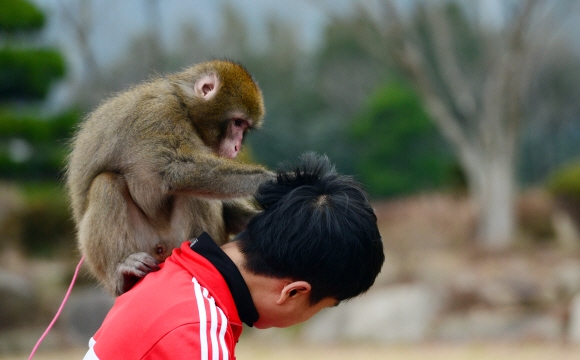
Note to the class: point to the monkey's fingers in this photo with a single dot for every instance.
(133, 268)
(138, 264)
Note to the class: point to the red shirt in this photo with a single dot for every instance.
(183, 311)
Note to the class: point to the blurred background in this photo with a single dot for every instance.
(462, 119)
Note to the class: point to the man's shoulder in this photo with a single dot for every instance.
(157, 319)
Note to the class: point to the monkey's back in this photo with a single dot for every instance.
(120, 136)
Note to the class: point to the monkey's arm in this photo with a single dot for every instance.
(215, 177)
(237, 213)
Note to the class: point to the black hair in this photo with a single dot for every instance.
(317, 226)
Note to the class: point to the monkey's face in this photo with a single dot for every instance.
(233, 136)
(223, 102)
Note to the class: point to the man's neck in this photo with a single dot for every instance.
(233, 252)
(265, 290)
(253, 281)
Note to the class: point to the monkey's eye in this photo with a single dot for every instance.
(239, 122)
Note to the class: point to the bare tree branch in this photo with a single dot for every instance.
(461, 93)
(503, 87)
(483, 121)
(82, 27)
(410, 58)
(513, 85)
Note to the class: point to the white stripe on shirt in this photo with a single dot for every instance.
(222, 334)
(216, 340)
(213, 326)
(90, 355)
(202, 319)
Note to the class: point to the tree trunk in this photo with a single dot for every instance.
(492, 183)
(480, 117)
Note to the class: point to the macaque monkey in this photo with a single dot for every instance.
(153, 166)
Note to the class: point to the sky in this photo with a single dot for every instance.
(116, 22)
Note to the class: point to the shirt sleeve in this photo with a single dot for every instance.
(188, 342)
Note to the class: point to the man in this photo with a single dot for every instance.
(315, 243)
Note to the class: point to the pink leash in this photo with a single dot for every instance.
(59, 309)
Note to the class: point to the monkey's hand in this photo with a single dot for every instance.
(132, 269)
(210, 176)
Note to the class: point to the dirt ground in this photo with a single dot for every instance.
(251, 351)
(428, 238)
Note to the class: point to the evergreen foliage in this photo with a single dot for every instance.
(26, 74)
(32, 146)
(19, 16)
(398, 148)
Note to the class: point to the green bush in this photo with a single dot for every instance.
(45, 163)
(36, 129)
(19, 15)
(47, 139)
(48, 229)
(566, 181)
(28, 73)
(564, 184)
(399, 150)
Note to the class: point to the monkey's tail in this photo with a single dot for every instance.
(59, 309)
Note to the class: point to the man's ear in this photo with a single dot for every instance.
(294, 290)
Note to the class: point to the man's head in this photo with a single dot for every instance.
(318, 229)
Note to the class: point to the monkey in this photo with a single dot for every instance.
(154, 166)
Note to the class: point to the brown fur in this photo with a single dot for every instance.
(143, 174)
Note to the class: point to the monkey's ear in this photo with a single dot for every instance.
(207, 86)
(204, 88)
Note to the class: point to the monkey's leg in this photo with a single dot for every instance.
(116, 251)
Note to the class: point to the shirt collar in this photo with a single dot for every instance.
(206, 247)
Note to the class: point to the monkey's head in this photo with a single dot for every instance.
(223, 103)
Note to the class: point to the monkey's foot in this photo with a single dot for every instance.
(135, 267)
